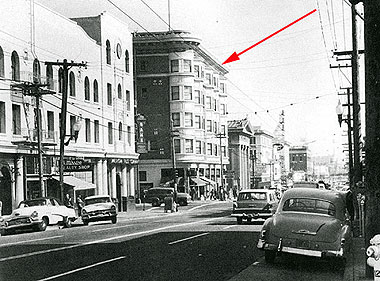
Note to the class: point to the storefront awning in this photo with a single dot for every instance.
(76, 183)
(197, 181)
(208, 181)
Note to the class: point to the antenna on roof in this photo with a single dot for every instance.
(169, 14)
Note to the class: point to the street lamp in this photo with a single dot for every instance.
(339, 112)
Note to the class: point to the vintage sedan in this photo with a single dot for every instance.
(254, 204)
(99, 208)
(37, 214)
(309, 222)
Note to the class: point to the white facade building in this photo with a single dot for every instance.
(100, 101)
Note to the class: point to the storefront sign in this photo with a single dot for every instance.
(77, 165)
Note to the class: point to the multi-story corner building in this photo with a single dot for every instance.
(240, 133)
(300, 163)
(99, 108)
(181, 92)
(267, 166)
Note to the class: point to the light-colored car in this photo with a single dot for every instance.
(99, 208)
(309, 222)
(254, 204)
(37, 214)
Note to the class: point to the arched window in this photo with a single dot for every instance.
(108, 52)
(96, 93)
(72, 84)
(49, 77)
(119, 93)
(60, 80)
(1, 63)
(126, 61)
(15, 66)
(86, 88)
(36, 71)
(120, 131)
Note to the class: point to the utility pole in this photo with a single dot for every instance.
(34, 89)
(62, 132)
(174, 133)
(372, 117)
(357, 175)
(220, 136)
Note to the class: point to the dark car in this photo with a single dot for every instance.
(309, 222)
(156, 196)
(254, 204)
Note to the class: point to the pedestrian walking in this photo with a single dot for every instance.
(80, 205)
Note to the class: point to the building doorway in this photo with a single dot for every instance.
(118, 191)
(6, 190)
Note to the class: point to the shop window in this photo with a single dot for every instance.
(16, 119)
(36, 71)
(175, 92)
(49, 76)
(174, 64)
(126, 61)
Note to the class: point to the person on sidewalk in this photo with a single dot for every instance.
(80, 205)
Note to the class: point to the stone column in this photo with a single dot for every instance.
(105, 178)
(113, 181)
(19, 180)
(99, 177)
(124, 181)
(131, 186)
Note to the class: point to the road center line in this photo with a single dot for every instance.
(188, 238)
(81, 268)
(31, 240)
(227, 227)
(103, 240)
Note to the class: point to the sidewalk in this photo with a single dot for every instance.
(356, 262)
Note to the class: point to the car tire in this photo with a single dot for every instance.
(239, 220)
(43, 224)
(270, 256)
(67, 222)
(156, 202)
(249, 220)
(85, 222)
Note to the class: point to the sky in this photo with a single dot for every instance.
(290, 71)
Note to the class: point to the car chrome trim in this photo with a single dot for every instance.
(304, 252)
(304, 232)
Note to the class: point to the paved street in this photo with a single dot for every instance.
(201, 242)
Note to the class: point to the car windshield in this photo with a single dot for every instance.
(252, 196)
(31, 203)
(97, 200)
(308, 205)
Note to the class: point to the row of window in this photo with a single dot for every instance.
(15, 66)
(118, 54)
(91, 127)
(186, 92)
(198, 147)
(197, 122)
(184, 65)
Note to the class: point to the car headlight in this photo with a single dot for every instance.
(34, 215)
(1, 219)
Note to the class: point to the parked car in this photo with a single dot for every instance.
(156, 196)
(99, 208)
(309, 222)
(37, 214)
(254, 204)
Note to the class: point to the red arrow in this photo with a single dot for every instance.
(235, 56)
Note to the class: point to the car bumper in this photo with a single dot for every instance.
(298, 251)
(98, 217)
(23, 225)
(252, 215)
